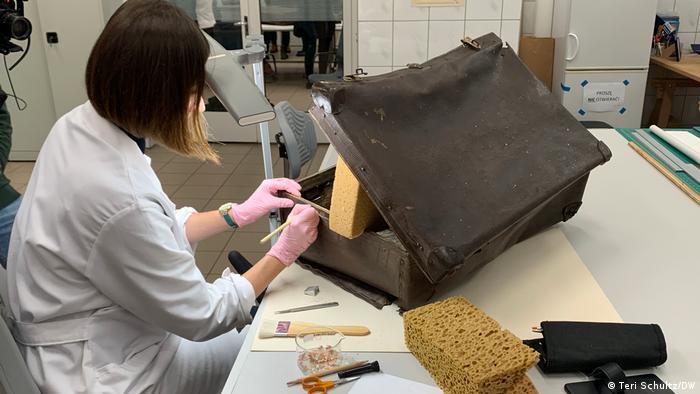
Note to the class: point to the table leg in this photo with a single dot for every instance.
(666, 102)
(654, 117)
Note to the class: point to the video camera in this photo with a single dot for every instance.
(13, 25)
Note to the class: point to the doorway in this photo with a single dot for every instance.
(304, 44)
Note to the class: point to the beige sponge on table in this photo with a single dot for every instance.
(466, 351)
(351, 209)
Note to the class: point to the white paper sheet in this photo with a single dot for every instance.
(287, 291)
(381, 383)
(684, 141)
(539, 279)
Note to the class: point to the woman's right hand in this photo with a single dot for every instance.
(296, 237)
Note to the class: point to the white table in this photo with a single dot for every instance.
(637, 233)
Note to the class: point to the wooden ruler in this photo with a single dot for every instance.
(668, 174)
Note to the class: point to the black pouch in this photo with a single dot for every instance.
(584, 346)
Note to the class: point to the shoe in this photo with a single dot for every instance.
(300, 53)
(284, 55)
(309, 84)
(273, 48)
(267, 68)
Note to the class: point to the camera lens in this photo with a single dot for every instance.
(20, 28)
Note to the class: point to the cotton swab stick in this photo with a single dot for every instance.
(277, 230)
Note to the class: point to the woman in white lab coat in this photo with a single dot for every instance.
(103, 288)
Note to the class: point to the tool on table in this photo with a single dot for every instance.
(277, 230)
(316, 385)
(287, 328)
(311, 291)
(300, 200)
(367, 368)
(668, 158)
(308, 308)
(668, 174)
(329, 371)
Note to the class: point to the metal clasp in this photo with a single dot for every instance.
(468, 41)
(359, 73)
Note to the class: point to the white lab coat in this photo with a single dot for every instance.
(103, 285)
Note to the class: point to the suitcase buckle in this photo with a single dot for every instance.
(359, 73)
(468, 41)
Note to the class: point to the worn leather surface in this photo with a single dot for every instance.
(464, 156)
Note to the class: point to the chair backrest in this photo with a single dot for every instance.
(299, 135)
(14, 375)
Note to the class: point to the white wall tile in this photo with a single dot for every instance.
(375, 10)
(371, 71)
(404, 11)
(447, 13)
(410, 42)
(512, 9)
(528, 19)
(664, 6)
(475, 29)
(374, 43)
(444, 36)
(686, 39)
(510, 33)
(688, 10)
(484, 9)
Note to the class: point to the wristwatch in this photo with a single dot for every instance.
(224, 212)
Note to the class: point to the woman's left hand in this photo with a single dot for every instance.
(264, 200)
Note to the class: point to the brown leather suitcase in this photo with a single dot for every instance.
(464, 156)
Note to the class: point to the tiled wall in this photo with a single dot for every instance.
(392, 33)
(685, 100)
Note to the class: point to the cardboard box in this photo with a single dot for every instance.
(538, 56)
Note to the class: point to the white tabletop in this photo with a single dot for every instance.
(636, 232)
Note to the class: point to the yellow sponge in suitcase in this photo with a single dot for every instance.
(466, 351)
(351, 209)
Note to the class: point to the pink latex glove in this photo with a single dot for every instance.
(297, 236)
(264, 199)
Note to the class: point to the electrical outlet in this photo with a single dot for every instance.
(52, 37)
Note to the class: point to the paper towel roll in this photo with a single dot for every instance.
(543, 18)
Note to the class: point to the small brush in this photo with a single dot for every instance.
(287, 328)
(277, 230)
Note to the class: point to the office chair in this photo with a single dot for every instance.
(14, 375)
(296, 140)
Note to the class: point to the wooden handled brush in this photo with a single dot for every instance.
(287, 328)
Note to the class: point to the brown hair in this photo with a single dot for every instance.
(144, 70)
